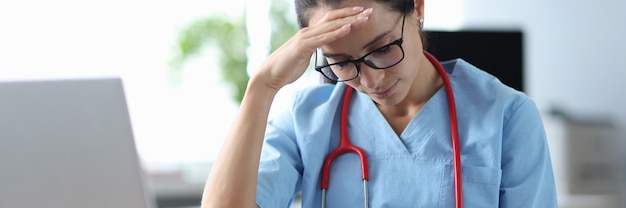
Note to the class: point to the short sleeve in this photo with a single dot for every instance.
(280, 167)
(527, 177)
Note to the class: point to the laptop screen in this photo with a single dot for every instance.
(68, 143)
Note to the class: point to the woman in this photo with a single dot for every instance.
(399, 117)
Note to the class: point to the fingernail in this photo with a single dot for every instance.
(346, 26)
(357, 8)
(362, 17)
(368, 11)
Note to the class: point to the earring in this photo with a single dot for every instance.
(421, 23)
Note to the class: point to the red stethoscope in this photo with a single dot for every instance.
(346, 147)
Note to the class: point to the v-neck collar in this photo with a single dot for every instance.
(369, 129)
(366, 121)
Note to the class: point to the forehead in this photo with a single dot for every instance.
(316, 14)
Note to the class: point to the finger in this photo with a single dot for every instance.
(305, 42)
(343, 23)
(326, 33)
(341, 13)
(331, 36)
(337, 18)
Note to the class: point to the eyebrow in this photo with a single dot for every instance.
(376, 39)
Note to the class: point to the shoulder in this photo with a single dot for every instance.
(302, 105)
(477, 87)
(317, 96)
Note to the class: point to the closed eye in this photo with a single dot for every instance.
(383, 50)
(341, 64)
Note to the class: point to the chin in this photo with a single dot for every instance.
(385, 102)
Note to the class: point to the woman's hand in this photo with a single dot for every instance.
(233, 178)
(288, 63)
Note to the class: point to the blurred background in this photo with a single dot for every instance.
(184, 65)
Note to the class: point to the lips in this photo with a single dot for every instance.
(385, 93)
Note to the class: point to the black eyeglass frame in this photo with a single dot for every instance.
(357, 62)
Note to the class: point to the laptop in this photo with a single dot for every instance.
(68, 143)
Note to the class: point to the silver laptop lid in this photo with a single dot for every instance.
(68, 143)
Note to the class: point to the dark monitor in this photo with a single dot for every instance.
(499, 53)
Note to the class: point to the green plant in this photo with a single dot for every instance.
(230, 37)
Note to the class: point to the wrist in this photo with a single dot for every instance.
(262, 80)
(258, 87)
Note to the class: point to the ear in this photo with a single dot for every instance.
(418, 10)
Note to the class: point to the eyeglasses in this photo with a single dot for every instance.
(381, 58)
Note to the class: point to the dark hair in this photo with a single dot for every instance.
(304, 7)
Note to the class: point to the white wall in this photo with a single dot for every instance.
(574, 57)
(133, 39)
(573, 51)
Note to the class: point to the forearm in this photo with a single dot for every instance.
(233, 178)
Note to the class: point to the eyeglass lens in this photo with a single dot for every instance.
(381, 58)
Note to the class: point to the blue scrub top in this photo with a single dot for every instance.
(504, 153)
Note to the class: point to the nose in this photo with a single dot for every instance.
(370, 77)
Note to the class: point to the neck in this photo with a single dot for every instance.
(427, 83)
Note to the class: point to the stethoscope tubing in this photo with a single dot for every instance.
(454, 131)
(345, 146)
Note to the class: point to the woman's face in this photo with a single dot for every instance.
(387, 86)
